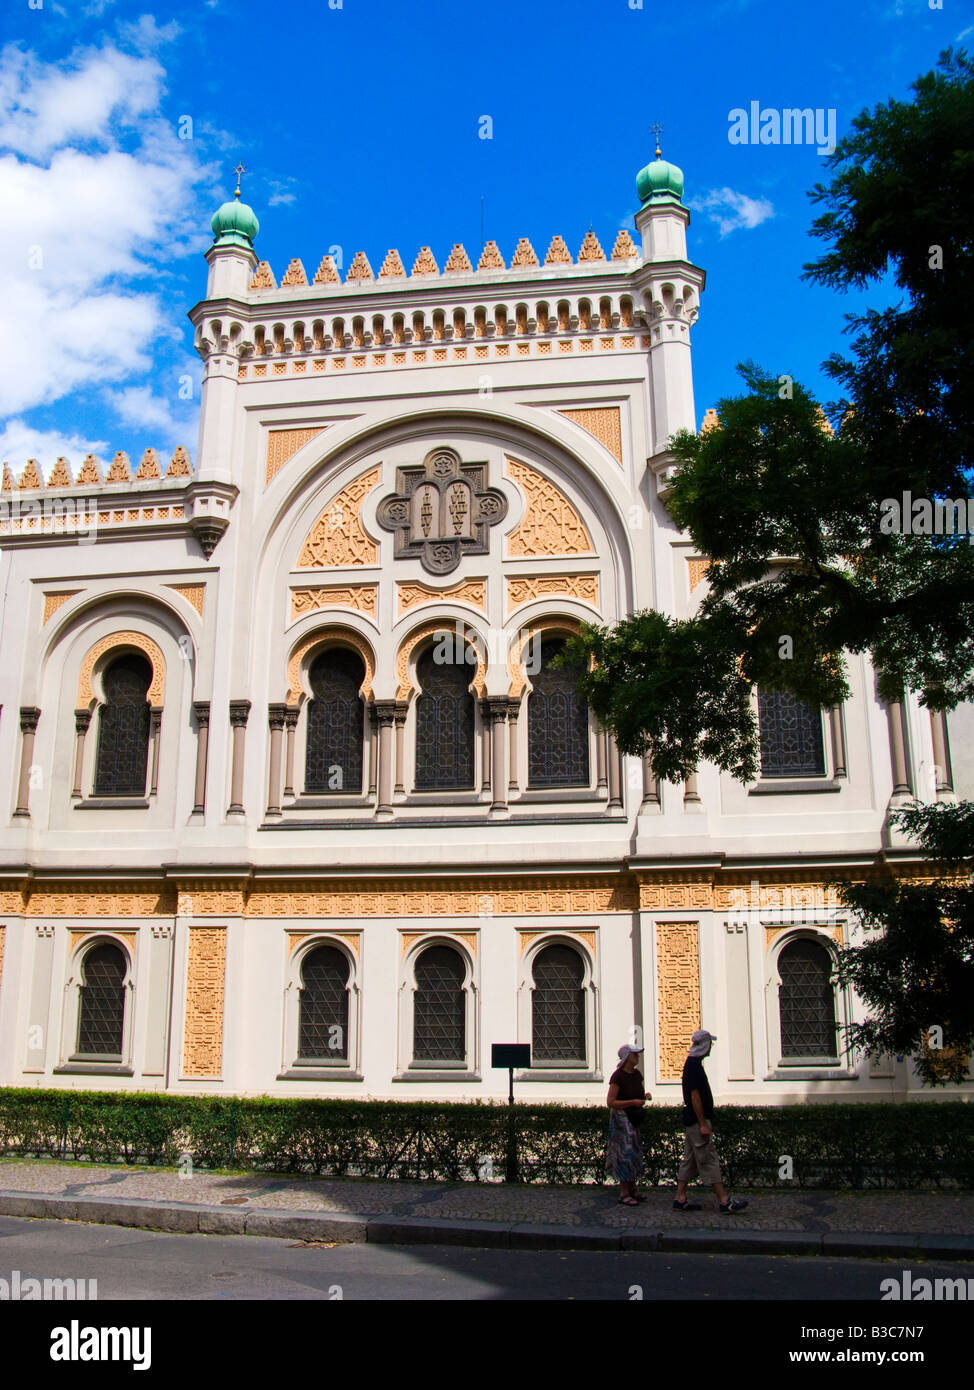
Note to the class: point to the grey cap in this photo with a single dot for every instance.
(701, 1043)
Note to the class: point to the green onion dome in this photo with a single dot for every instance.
(235, 224)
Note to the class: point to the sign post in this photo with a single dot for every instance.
(510, 1055)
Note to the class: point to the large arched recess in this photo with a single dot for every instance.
(298, 495)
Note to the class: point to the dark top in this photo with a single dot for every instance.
(695, 1079)
(630, 1085)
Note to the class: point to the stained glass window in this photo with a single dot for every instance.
(557, 725)
(558, 1006)
(102, 1009)
(791, 736)
(323, 1016)
(123, 728)
(439, 1007)
(444, 724)
(806, 1000)
(336, 723)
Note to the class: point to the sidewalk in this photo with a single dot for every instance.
(779, 1221)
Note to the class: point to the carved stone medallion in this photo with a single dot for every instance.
(443, 510)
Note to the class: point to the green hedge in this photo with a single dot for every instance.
(885, 1145)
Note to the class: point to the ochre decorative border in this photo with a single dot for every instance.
(329, 637)
(551, 525)
(364, 598)
(52, 602)
(353, 940)
(192, 593)
(412, 593)
(408, 939)
(587, 938)
(678, 993)
(157, 687)
(282, 445)
(205, 979)
(409, 644)
(524, 588)
(552, 623)
(76, 937)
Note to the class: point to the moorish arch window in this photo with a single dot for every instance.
(806, 1001)
(101, 1011)
(323, 1013)
(124, 727)
(558, 743)
(336, 723)
(791, 736)
(444, 723)
(558, 1007)
(439, 1008)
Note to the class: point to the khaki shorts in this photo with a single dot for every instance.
(699, 1157)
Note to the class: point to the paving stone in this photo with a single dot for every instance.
(347, 1230)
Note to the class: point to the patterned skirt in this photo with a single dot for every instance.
(624, 1150)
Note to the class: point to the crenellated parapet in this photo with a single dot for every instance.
(91, 474)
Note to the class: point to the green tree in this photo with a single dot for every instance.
(915, 969)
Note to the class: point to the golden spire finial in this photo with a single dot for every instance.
(238, 171)
(657, 130)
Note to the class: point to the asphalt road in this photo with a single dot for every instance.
(134, 1264)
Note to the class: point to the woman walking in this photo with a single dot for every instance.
(624, 1151)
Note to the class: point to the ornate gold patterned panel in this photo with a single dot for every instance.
(192, 593)
(523, 588)
(587, 938)
(457, 898)
(337, 538)
(678, 988)
(99, 901)
(408, 939)
(329, 637)
(771, 932)
(76, 937)
(157, 688)
(516, 650)
(663, 896)
(418, 635)
(52, 602)
(197, 902)
(205, 976)
(282, 445)
(364, 598)
(696, 568)
(551, 525)
(351, 939)
(411, 595)
(603, 423)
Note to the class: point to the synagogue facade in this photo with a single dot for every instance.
(300, 801)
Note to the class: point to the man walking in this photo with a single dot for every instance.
(699, 1155)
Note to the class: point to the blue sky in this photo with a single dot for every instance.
(359, 125)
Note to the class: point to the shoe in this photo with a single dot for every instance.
(734, 1205)
(628, 1202)
(687, 1206)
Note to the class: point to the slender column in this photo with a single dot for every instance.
(601, 783)
(401, 711)
(485, 745)
(838, 741)
(239, 711)
(29, 715)
(897, 728)
(290, 726)
(513, 710)
(155, 727)
(201, 709)
(498, 742)
(941, 751)
(373, 750)
(690, 793)
(385, 713)
(650, 783)
(276, 715)
(615, 775)
(82, 719)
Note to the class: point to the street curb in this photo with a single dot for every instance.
(345, 1228)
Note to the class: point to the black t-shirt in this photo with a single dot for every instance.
(631, 1087)
(695, 1079)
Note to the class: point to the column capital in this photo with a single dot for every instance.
(29, 716)
(201, 709)
(497, 707)
(82, 718)
(239, 713)
(276, 715)
(385, 710)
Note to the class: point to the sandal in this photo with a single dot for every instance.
(628, 1202)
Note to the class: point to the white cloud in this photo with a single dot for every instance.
(20, 442)
(731, 210)
(146, 35)
(281, 192)
(167, 421)
(84, 236)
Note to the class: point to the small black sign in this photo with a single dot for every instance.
(510, 1055)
